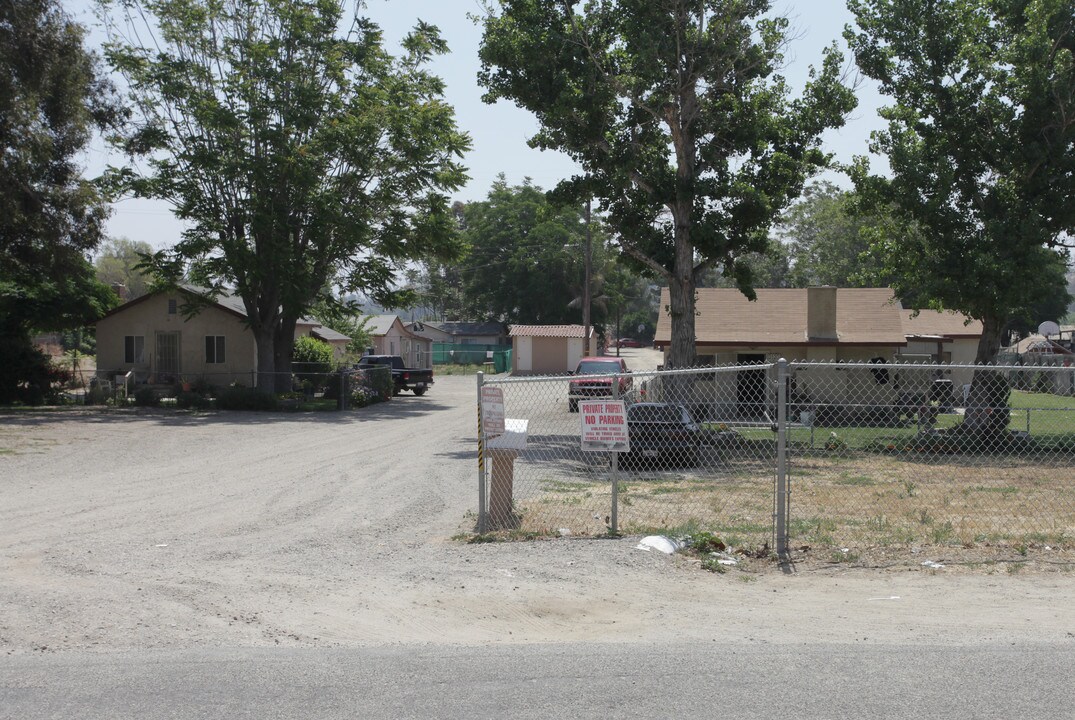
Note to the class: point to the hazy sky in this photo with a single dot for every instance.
(499, 132)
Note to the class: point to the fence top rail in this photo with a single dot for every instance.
(633, 374)
(798, 364)
(792, 365)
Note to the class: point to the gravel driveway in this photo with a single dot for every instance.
(127, 530)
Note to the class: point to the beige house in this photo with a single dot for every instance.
(150, 337)
(546, 349)
(429, 331)
(820, 324)
(391, 337)
(941, 337)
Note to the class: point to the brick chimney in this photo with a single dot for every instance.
(821, 313)
(121, 290)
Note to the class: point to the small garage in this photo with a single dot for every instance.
(546, 349)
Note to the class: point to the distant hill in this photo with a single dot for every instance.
(369, 307)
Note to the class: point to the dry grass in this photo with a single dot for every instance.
(856, 500)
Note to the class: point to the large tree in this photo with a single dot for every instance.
(524, 257)
(830, 242)
(687, 134)
(302, 158)
(769, 268)
(837, 237)
(981, 146)
(119, 262)
(52, 99)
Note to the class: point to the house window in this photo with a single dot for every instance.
(214, 349)
(172, 306)
(134, 349)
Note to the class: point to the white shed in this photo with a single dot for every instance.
(546, 349)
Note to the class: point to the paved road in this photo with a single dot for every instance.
(669, 680)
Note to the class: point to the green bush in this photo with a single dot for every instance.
(146, 397)
(361, 396)
(243, 398)
(95, 395)
(189, 399)
(202, 386)
(27, 375)
(380, 381)
(312, 360)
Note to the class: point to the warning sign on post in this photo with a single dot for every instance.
(492, 411)
(604, 426)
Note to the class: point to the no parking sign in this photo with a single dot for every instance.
(604, 426)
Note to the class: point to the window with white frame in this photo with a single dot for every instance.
(134, 349)
(214, 349)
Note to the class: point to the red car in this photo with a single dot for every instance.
(628, 343)
(593, 378)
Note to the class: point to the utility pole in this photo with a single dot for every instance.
(588, 264)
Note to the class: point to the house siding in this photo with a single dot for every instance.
(151, 317)
(415, 350)
(818, 385)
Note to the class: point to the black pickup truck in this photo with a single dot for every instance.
(404, 378)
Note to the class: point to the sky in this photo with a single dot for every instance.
(499, 132)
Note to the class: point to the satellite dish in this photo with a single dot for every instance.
(1048, 328)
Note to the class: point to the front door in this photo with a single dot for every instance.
(750, 387)
(167, 357)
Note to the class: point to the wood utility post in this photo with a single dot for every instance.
(588, 265)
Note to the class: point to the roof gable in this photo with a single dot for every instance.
(381, 325)
(225, 301)
(228, 303)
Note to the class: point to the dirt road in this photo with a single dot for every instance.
(125, 530)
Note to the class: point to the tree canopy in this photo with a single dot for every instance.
(303, 158)
(981, 145)
(52, 99)
(119, 261)
(522, 260)
(829, 242)
(689, 138)
(524, 256)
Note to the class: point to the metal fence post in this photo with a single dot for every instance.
(482, 514)
(782, 495)
(614, 520)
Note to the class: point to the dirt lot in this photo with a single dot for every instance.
(122, 530)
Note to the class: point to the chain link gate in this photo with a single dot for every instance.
(685, 470)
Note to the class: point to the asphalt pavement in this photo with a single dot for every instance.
(548, 681)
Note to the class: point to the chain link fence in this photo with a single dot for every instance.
(819, 454)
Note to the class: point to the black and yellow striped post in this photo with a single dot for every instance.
(481, 460)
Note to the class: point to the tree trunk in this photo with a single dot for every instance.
(987, 413)
(682, 352)
(283, 349)
(263, 338)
